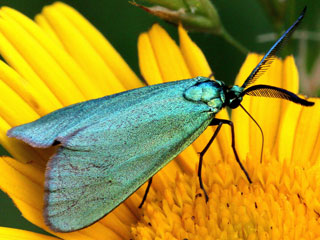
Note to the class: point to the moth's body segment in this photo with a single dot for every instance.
(209, 92)
(112, 145)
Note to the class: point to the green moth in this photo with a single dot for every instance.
(109, 147)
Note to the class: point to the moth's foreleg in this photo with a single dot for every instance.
(219, 122)
(233, 145)
(214, 122)
(146, 193)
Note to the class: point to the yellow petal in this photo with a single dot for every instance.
(82, 51)
(52, 48)
(290, 82)
(47, 69)
(17, 234)
(101, 45)
(16, 60)
(147, 61)
(42, 22)
(287, 130)
(35, 99)
(11, 104)
(17, 182)
(169, 58)
(315, 156)
(290, 76)
(306, 133)
(193, 56)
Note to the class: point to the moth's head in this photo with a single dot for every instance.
(209, 92)
(233, 96)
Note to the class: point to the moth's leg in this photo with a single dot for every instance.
(233, 145)
(213, 122)
(146, 193)
(220, 122)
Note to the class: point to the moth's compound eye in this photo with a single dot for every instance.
(235, 103)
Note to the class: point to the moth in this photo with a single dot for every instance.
(109, 147)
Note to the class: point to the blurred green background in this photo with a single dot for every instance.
(246, 20)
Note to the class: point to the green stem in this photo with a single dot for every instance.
(233, 42)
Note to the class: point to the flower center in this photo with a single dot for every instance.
(270, 208)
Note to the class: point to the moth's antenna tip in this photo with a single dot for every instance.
(308, 104)
(303, 11)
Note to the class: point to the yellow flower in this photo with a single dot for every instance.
(62, 59)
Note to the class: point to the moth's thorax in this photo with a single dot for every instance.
(207, 91)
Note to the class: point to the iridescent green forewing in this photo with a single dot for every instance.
(110, 147)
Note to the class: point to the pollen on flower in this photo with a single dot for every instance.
(282, 202)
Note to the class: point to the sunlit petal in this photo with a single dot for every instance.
(16, 234)
(52, 48)
(81, 50)
(101, 45)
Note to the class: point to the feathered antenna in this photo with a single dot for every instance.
(266, 61)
